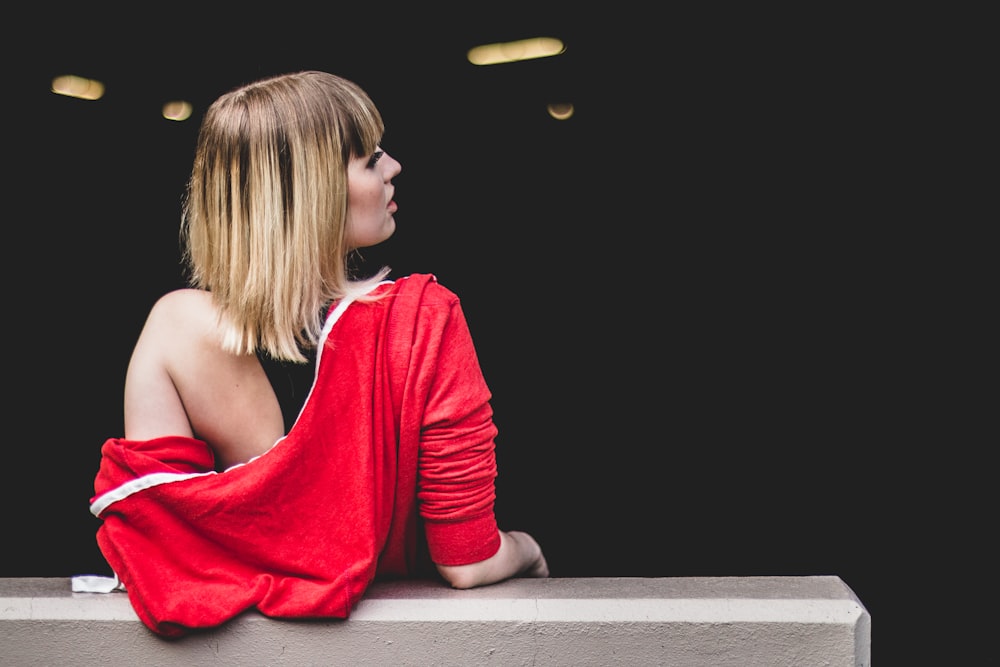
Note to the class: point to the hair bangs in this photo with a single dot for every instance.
(361, 121)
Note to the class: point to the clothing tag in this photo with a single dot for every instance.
(92, 583)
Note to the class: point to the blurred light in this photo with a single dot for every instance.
(522, 49)
(177, 110)
(561, 110)
(78, 86)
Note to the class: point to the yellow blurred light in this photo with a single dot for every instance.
(78, 86)
(522, 49)
(561, 110)
(177, 110)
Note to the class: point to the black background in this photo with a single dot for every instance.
(675, 294)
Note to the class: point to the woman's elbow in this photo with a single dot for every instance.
(461, 576)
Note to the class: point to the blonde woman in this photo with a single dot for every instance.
(291, 433)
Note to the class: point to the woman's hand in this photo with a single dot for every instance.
(537, 566)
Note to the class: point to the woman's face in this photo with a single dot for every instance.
(369, 199)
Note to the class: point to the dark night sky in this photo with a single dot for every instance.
(672, 293)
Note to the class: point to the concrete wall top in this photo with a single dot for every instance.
(687, 621)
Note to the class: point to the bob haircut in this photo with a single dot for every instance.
(265, 209)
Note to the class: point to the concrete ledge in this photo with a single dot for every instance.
(683, 621)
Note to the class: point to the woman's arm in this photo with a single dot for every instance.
(518, 556)
(457, 459)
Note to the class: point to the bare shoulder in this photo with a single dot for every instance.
(185, 305)
(181, 300)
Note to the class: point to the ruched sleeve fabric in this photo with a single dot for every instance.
(394, 446)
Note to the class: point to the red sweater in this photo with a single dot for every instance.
(397, 425)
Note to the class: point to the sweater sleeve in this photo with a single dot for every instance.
(457, 462)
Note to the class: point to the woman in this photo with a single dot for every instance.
(220, 498)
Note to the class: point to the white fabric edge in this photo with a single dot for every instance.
(103, 501)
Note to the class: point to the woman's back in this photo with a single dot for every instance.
(222, 398)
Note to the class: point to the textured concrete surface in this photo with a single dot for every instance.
(685, 621)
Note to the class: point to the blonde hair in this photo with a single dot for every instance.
(265, 211)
